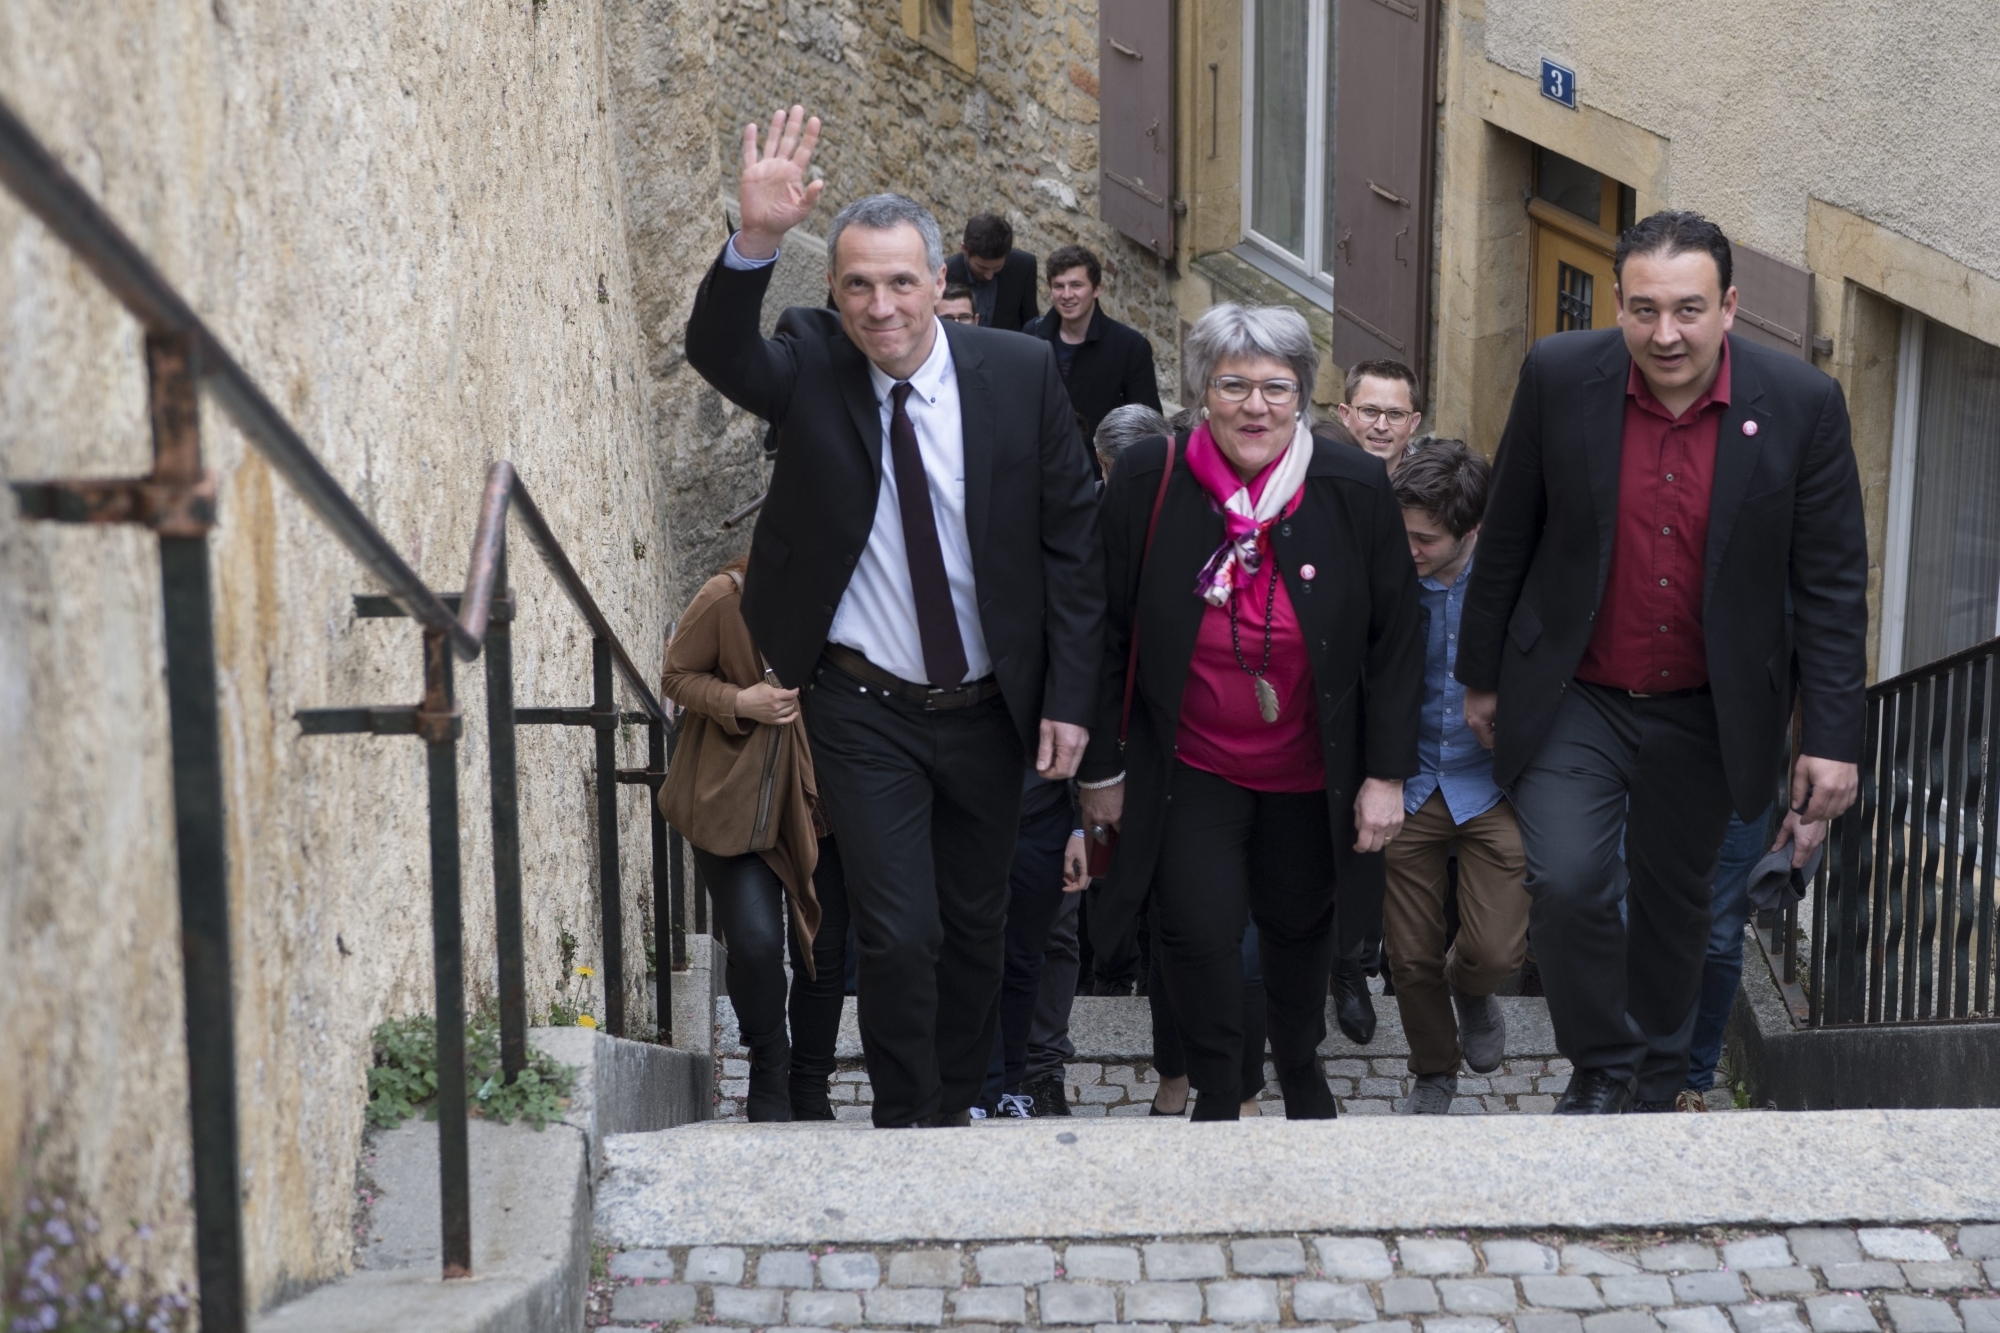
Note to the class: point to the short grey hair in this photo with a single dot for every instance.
(1230, 331)
(1124, 427)
(883, 212)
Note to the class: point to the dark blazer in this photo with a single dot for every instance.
(1785, 513)
(1113, 366)
(1030, 505)
(1359, 615)
(1014, 303)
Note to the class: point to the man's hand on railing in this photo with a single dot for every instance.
(774, 195)
(1823, 788)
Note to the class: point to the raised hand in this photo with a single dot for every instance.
(774, 195)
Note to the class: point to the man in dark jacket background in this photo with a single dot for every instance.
(1002, 278)
(1104, 363)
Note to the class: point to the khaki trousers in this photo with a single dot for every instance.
(1492, 921)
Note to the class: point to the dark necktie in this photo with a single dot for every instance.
(937, 619)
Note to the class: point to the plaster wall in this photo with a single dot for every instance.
(407, 222)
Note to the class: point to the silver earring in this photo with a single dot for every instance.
(1204, 412)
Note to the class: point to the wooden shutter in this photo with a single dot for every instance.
(1135, 119)
(1773, 301)
(1384, 63)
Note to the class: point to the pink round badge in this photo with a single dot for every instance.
(1749, 428)
(1307, 572)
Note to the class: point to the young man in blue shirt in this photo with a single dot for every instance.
(1452, 802)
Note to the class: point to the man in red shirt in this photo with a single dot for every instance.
(1625, 647)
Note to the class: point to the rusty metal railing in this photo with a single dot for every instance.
(177, 500)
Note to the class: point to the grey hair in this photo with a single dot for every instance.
(1230, 331)
(1124, 427)
(881, 212)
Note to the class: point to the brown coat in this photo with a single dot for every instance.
(710, 661)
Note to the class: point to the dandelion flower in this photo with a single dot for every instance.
(585, 1021)
(586, 971)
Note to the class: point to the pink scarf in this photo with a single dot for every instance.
(1247, 511)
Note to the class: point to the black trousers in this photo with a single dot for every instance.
(1651, 770)
(925, 806)
(816, 1001)
(1231, 855)
(749, 903)
(1170, 1056)
(1049, 1046)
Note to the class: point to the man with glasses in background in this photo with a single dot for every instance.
(956, 305)
(1382, 407)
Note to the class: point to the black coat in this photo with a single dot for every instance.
(1014, 303)
(1785, 513)
(1113, 366)
(1030, 503)
(1360, 618)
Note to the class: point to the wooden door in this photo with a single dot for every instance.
(1572, 283)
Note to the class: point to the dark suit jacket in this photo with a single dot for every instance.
(1014, 303)
(1785, 512)
(1029, 497)
(1359, 615)
(1113, 366)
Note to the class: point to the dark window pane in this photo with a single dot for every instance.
(1628, 207)
(1573, 291)
(937, 18)
(1954, 589)
(1570, 186)
(1278, 124)
(1326, 180)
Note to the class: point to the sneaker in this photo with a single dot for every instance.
(1482, 1031)
(1016, 1106)
(1048, 1094)
(977, 1112)
(1690, 1100)
(1431, 1094)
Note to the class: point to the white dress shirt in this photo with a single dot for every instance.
(877, 615)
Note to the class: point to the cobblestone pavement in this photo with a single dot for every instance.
(1362, 1087)
(1937, 1279)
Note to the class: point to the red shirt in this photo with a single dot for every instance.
(1648, 637)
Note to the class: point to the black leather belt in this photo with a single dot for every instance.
(923, 696)
(1688, 693)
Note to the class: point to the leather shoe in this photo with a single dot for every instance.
(1594, 1092)
(1482, 1031)
(1353, 1006)
(951, 1119)
(1047, 1092)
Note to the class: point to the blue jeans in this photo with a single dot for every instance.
(1743, 846)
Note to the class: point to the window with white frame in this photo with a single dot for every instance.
(1941, 574)
(1288, 132)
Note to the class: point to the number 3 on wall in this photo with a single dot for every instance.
(1559, 84)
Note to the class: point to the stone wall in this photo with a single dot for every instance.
(1018, 137)
(407, 222)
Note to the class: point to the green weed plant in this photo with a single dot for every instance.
(404, 1079)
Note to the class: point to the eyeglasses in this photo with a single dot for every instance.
(1395, 416)
(1234, 389)
(963, 319)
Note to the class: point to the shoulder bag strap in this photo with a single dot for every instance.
(1132, 651)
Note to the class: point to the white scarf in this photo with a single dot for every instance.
(1239, 556)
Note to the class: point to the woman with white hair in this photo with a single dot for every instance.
(1265, 663)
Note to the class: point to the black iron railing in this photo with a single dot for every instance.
(177, 501)
(1903, 924)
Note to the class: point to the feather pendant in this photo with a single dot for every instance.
(1267, 700)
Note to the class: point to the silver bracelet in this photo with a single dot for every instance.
(1100, 786)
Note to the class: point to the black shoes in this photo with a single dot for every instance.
(1353, 1006)
(1482, 1031)
(1047, 1094)
(1594, 1092)
(809, 1099)
(1648, 1108)
(1307, 1097)
(770, 1098)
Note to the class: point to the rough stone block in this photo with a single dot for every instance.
(1902, 1243)
(1952, 1276)
(1869, 1275)
(1409, 1295)
(1821, 1246)
(1461, 1324)
(1767, 1317)
(1981, 1316)
(1385, 1326)
(824, 1307)
(1754, 1252)
(1477, 1295)
(1246, 1301)
(738, 1088)
(715, 1263)
(1695, 1319)
(905, 1305)
(1381, 1087)
(1916, 1314)
(1511, 1085)
(748, 1305)
(1121, 1074)
(651, 1265)
(1537, 1105)
(1520, 1257)
(1637, 1289)
(1166, 1302)
(1169, 1261)
(1553, 1084)
(786, 1328)
(1993, 1272)
(1562, 1293)
(1782, 1281)
(1679, 1257)
(1432, 1257)
(850, 1270)
(1076, 1108)
(1980, 1242)
(1840, 1314)
(1268, 1256)
(1361, 1258)
(784, 1268)
(1708, 1288)
(651, 1305)
(1077, 1303)
(926, 1268)
(1389, 1066)
(1621, 1321)
(1370, 1106)
(1541, 1322)
(999, 1305)
(1102, 1263)
(1017, 1265)
(1082, 1074)
(1340, 1301)
(1100, 1094)
(1347, 1068)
